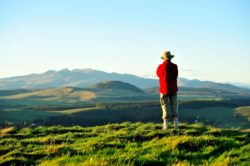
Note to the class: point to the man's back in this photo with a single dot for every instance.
(167, 73)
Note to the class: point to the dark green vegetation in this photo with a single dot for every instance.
(223, 113)
(124, 144)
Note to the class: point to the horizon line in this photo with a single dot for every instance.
(239, 84)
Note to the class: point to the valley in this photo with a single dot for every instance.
(116, 102)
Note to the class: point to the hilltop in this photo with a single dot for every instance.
(117, 85)
(124, 144)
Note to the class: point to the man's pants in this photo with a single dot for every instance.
(169, 103)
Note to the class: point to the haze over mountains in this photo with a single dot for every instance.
(87, 77)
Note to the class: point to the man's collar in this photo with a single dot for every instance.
(167, 61)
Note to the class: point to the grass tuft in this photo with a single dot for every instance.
(5, 131)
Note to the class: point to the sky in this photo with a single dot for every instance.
(209, 38)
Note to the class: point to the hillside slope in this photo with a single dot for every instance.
(102, 91)
(124, 144)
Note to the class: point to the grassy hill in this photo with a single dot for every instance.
(124, 144)
(117, 85)
(102, 91)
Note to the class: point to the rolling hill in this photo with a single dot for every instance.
(105, 91)
(102, 91)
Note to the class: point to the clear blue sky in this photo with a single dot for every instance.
(210, 38)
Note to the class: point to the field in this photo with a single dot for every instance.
(124, 144)
(244, 111)
(225, 117)
(219, 113)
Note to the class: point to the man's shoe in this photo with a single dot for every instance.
(165, 124)
(176, 123)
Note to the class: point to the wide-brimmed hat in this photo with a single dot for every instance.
(166, 55)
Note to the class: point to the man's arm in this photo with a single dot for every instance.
(177, 72)
(158, 71)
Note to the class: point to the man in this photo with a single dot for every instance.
(168, 73)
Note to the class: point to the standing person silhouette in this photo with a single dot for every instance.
(168, 74)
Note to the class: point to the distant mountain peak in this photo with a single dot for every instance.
(88, 70)
(65, 70)
(50, 71)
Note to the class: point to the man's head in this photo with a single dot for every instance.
(166, 55)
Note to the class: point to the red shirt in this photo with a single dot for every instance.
(167, 73)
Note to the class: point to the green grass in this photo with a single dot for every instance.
(19, 117)
(125, 144)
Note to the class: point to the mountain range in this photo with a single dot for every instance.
(75, 78)
(86, 77)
